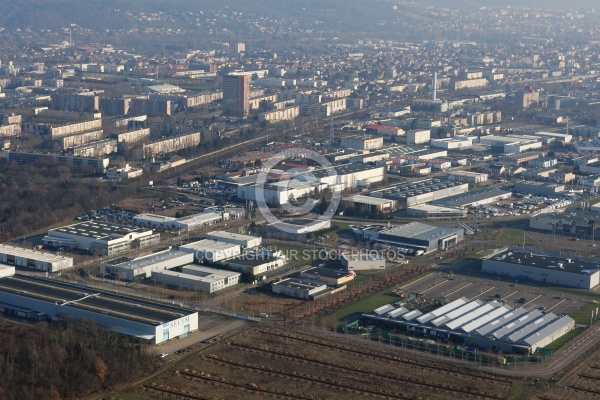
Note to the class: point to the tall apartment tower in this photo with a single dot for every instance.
(236, 91)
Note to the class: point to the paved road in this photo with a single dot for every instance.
(223, 326)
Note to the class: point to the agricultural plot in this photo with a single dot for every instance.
(270, 362)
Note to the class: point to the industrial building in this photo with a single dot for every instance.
(338, 178)
(301, 288)
(425, 191)
(362, 262)
(360, 142)
(185, 224)
(575, 223)
(49, 299)
(296, 228)
(432, 211)
(211, 250)
(539, 188)
(372, 204)
(100, 237)
(468, 176)
(422, 237)
(198, 278)
(543, 268)
(140, 268)
(244, 241)
(332, 277)
(475, 198)
(257, 261)
(33, 259)
(488, 325)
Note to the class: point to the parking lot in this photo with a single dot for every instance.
(454, 286)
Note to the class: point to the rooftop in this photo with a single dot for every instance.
(97, 230)
(148, 260)
(33, 254)
(67, 295)
(544, 261)
(463, 199)
(420, 231)
(208, 244)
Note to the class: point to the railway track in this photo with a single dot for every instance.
(376, 355)
(343, 368)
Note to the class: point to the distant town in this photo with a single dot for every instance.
(263, 196)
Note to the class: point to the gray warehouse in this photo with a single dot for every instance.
(422, 237)
(200, 278)
(34, 259)
(543, 268)
(475, 198)
(491, 325)
(143, 267)
(425, 191)
(44, 298)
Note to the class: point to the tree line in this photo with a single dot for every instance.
(69, 360)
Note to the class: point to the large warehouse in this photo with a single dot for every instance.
(211, 250)
(543, 268)
(425, 191)
(475, 198)
(45, 298)
(143, 267)
(572, 223)
(245, 241)
(491, 325)
(257, 261)
(34, 259)
(422, 237)
(100, 237)
(199, 278)
(188, 223)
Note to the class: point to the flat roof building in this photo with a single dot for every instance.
(413, 193)
(474, 198)
(372, 204)
(257, 261)
(245, 241)
(211, 250)
(543, 268)
(332, 277)
(199, 278)
(433, 211)
(422, 237)
(301, 288)
(100, 237)
(34, 259)
(136, 317)
(143, 267)
(362, 262)
(296, 228)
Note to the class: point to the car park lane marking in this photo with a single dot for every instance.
(536, 297)
(507, 296)
(485, 291)
(423, 291)
(460, 288)
(548, 309)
